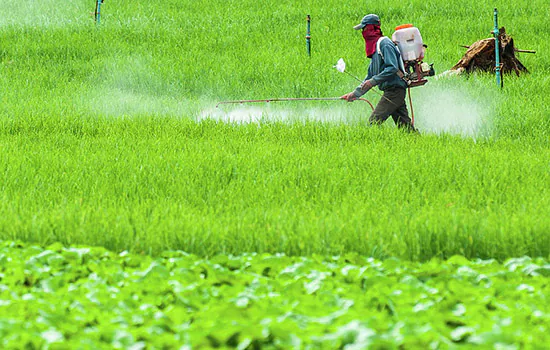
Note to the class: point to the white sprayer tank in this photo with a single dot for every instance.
(409, 42)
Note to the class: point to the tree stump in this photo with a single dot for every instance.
(481, 56)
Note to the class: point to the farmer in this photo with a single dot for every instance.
(385, 73)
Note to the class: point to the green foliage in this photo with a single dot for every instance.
(57, 297)
(99, 143)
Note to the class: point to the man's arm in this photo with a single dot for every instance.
(358, 92)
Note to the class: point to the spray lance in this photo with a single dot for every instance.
(342, 66)
(291, 99)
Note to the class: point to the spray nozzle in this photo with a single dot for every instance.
(340, 65)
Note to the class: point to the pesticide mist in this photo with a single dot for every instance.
(337, 112)
(44, 12)
(439, 108)
(127, 85)
(442, 108)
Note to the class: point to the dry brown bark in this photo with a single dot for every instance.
(481, 56)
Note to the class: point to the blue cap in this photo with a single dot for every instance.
(368, 19)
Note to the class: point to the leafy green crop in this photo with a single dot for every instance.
(57, 297)
(103, 137)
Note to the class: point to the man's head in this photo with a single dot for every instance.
(370, 28)
(368, 19)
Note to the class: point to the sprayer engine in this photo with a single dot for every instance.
(416, 71)
(412, 49)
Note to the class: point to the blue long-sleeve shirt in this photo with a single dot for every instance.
(383, 72)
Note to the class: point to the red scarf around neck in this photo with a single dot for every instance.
(371, 34)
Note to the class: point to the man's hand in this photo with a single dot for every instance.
(349, 97)
(366, 86)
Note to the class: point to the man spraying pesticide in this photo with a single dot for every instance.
(391, 69)
(388, 71)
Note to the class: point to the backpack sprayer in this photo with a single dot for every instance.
(412, 50)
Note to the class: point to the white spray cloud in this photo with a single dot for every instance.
(239, 115)
(115, 102)
(438, 109)
(129, 86)
(451, 109)
(41, 13)
(266, 113)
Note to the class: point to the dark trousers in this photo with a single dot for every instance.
(392, 103)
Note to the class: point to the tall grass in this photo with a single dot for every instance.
(156, 183)
(100, 144)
